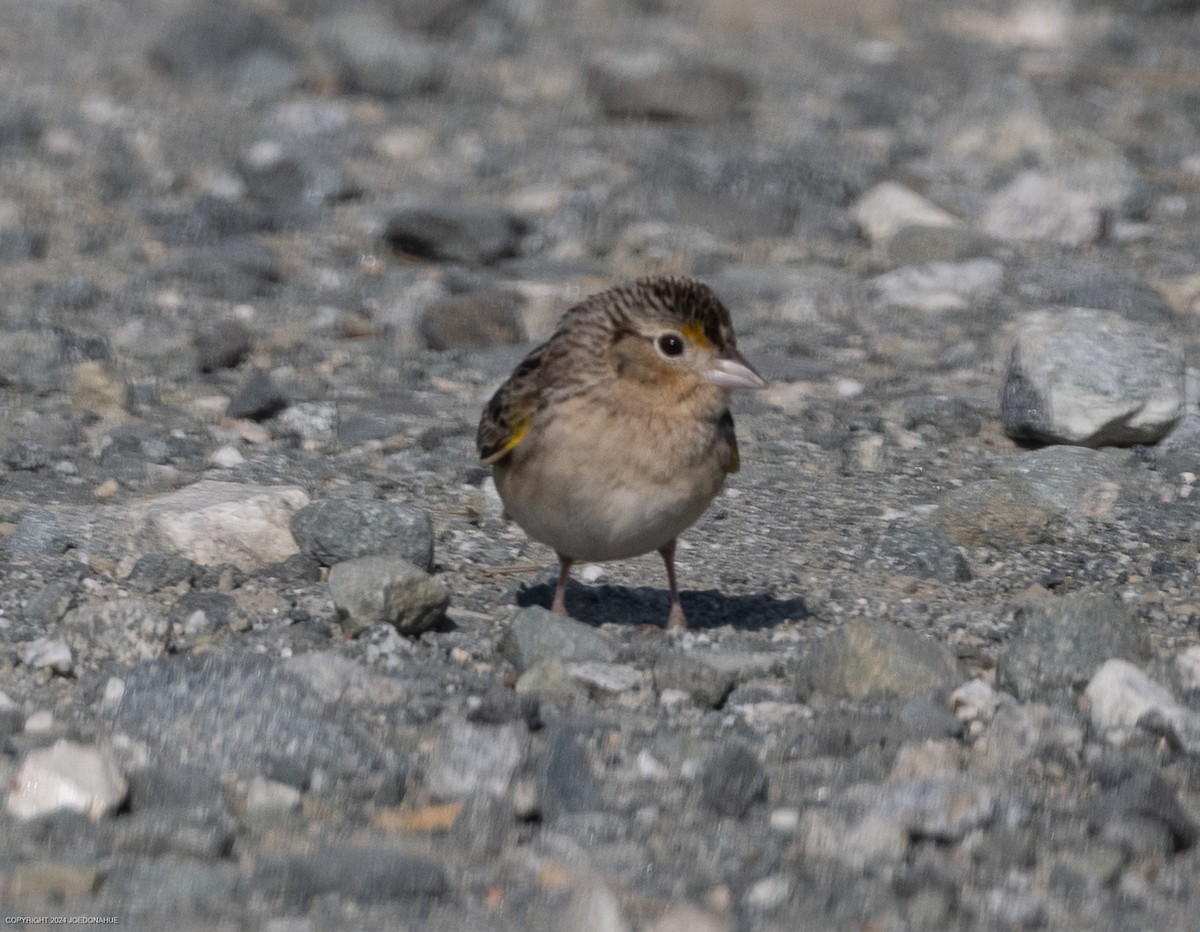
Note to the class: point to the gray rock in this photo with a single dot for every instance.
(996, 513)
(127, 630)
(473, 234)
(386, 588)
(732, 780)
(376, 58)
(565, 782)
(47, 653)
(876, 659)
(940, 809)
(39, 532)
(1072, 281)
(209, 41)
(154, 572)
(1078, 480)
(222, 344)
(853, 836)
(917, 244)
(708, 685)
(49, 605)
(246, 712)
(537, 634)
(1092, 378)
(920, 551)
(938, 418)
(477, 320)
(654, 87)
(1063, 641)
(1029, 731)
(258, 399)
(1058, 208)
(941, 286)
(178, 884)
(469, 759)
(1141, 799)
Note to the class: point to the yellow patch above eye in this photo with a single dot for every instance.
(694, 331)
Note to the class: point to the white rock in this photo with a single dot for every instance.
(768, 893)
(611, 678)
(595, 907)
(784, 821)
(78, 777)
(40, 722)
(889, 207)
(114, 692)
(1120, 694)
(684, 917)
(649, 767)
(1187, 663)
(266, 797)
(1035, 206)
(47, 653)
(1093, 378)
(227, 457)
(975, 700)
(941, 286)
(214, 522)
(6, 703)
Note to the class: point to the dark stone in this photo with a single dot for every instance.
(473, 234)
(223, 345)
(920, 551)
(220, 609)
(370, 874)
(501, 706)
(211, 40)
(156, 571)
(708, 685)
(39, 532)
(668, 90)
(1136, 794)
(259, 399)
(21, 245)
(733, 780)
(940, 418)
(472, 321)
(1075, 282)
(335, 530)
(537, 634)
(565, 780)
(245, 711)
(1062, 642)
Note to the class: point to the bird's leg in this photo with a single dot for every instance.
(676, 620)
(560, 593)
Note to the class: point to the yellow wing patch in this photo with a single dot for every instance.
(519, 431)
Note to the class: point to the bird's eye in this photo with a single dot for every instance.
(670, 344)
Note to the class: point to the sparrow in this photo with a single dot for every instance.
(613, 436)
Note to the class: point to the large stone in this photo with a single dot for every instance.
(1092, 378)
(388, 589)
(472, 234)
(876, 659)
(334, 530)
(1122, 699)
(888, 207)
(653, 86)
(214, 522)
(1063, 640)
(537, 634)
(67, 775)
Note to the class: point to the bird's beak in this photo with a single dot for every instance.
(730, 370)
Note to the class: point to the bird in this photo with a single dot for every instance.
(611, 438)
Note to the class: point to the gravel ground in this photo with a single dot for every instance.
(265, 260)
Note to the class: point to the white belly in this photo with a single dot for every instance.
(591, 503)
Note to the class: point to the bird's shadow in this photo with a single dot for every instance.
(708, 608)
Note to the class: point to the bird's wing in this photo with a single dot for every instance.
(725, 428)
(506, 419)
